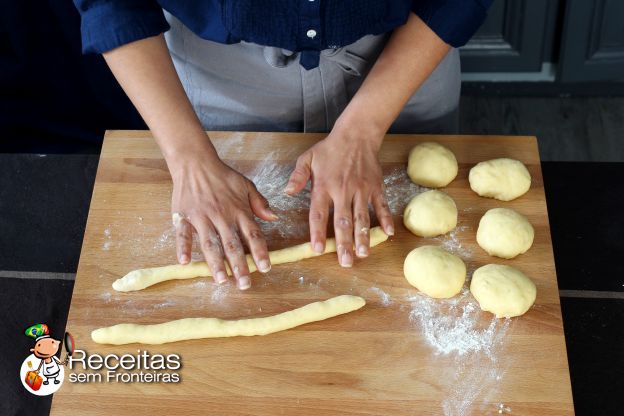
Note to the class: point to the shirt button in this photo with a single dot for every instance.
(311, 33)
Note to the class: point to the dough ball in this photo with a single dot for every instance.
(431, 164)
(430, 213)
(503, 179)
(502, 290)
(504, 233)
(435, 272)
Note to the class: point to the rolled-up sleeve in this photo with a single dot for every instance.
(107, 24)
(454, 21)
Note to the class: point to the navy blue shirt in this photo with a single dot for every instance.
(306, 26)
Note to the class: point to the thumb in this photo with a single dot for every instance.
(300, 176)
(260, 206)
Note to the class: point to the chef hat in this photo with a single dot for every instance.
(38, 331)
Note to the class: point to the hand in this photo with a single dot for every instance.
(345, 172)
(219, 204)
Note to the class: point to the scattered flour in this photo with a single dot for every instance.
(199, 284)
(166, 239)
(400, 189)
(502, 409)
(107, 239)
(220, 292)
(165, 304)
(453, 327)
(270, 179)
(452, 242)
(385, 298)
(207, 290)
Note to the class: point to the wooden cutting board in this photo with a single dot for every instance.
(401, 354)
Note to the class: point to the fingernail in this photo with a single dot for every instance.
(390, 230)
(274, 216)
(184, 259)
(244, 283)
(289, 189)
(264, 266)
(221, 277)
(318, 247)
(346, 260)
(362, 251)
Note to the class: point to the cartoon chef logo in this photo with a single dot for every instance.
(42, 372)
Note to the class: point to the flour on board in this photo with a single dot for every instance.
(454, 327)
(384, 298)
(270, 178)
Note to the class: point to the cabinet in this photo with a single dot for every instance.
(576, 40)
(593, 41)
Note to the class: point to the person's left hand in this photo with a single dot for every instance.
(344, 171)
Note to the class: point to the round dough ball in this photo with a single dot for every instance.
(430, 214)
(504, 233)
(431, 164)
(502, 290)
(503, 179)
(435, 272)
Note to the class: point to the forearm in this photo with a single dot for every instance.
(146, 73)
(410, 56)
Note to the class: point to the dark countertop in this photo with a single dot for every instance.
(44, 201)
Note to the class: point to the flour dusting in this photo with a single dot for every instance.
(162, 305)
(384, 298)
(220, 292)
(455, 328)
(400, 189)
(166, 239)
(452, 326)
(472, 381)
(107, 239)
(452, 242)
(270, 179)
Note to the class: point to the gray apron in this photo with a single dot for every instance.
(249, 87)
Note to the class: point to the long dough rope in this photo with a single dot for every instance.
(195, 328)
(142, 278)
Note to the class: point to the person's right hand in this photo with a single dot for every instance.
(219, 204)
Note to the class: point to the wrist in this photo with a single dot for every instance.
(192, 154)
(353, 129)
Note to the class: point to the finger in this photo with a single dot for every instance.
(361, 225)
(259, 205)
(343, 227)
(319, 213)
(184, 240)
(300, 176)
(210, 245)
(256, 243)
(382, 210)
(235, 255)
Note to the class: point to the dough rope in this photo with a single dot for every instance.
(142, 278)
(196, 328)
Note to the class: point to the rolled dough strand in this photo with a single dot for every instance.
(142, 278)
(196, 328)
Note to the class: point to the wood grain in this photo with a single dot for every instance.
(373, 361)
